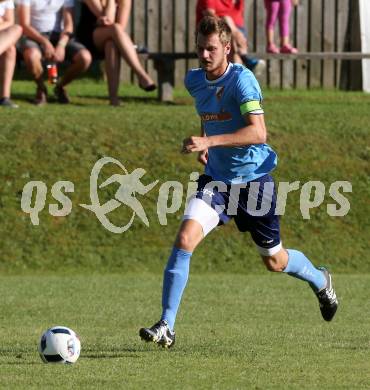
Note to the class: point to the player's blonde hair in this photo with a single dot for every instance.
(213, 25)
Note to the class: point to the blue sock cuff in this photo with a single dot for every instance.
(180, 251)
(289, 266)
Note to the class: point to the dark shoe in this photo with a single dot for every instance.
(61, 95)
(148, 88)
(6, 102)
(41, 97)
(327, 298)
(159, 333)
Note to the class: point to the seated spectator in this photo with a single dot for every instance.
(102, 30)
(279, 9)
(232, 11)
(9, 35)
(48, 35)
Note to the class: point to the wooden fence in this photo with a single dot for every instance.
(316, 26)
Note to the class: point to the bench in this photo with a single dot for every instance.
(164, 63)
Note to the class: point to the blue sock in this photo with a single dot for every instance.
(301, 268)
(174, 282)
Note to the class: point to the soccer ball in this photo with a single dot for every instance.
(59, 345)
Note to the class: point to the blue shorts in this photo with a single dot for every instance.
(253, 208)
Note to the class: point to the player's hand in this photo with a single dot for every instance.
(60, 53)
(49, 50)
(195, 144)
(203, 157)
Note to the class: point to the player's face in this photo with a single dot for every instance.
(212, 55)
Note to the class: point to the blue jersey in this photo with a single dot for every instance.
(221, 104)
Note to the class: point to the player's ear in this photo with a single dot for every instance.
(227, 48)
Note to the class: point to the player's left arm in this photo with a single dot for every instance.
(253, 133)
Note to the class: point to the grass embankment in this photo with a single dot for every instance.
(318, 136)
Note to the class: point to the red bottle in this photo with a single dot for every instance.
(52, 72)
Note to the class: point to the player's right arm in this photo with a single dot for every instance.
(24, 15)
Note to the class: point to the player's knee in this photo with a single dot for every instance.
(277, 261)
(274, 264)
(184, 240)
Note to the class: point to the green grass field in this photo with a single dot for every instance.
(239, 327)
(233, 332)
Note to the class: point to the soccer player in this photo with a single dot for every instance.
(232, 147)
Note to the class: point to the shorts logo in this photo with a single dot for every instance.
(267, 241)
(208, 192)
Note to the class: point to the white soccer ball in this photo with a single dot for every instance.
(59, 345)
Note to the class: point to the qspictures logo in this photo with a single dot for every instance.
(171, 196)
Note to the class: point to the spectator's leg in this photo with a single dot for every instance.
(126, 48)
(272, 11)
(284, 19)
(112, 68)
(7, 64)
(80, 63)
(9, 37)
(233, 55)
(32, 57)
(240, 50)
